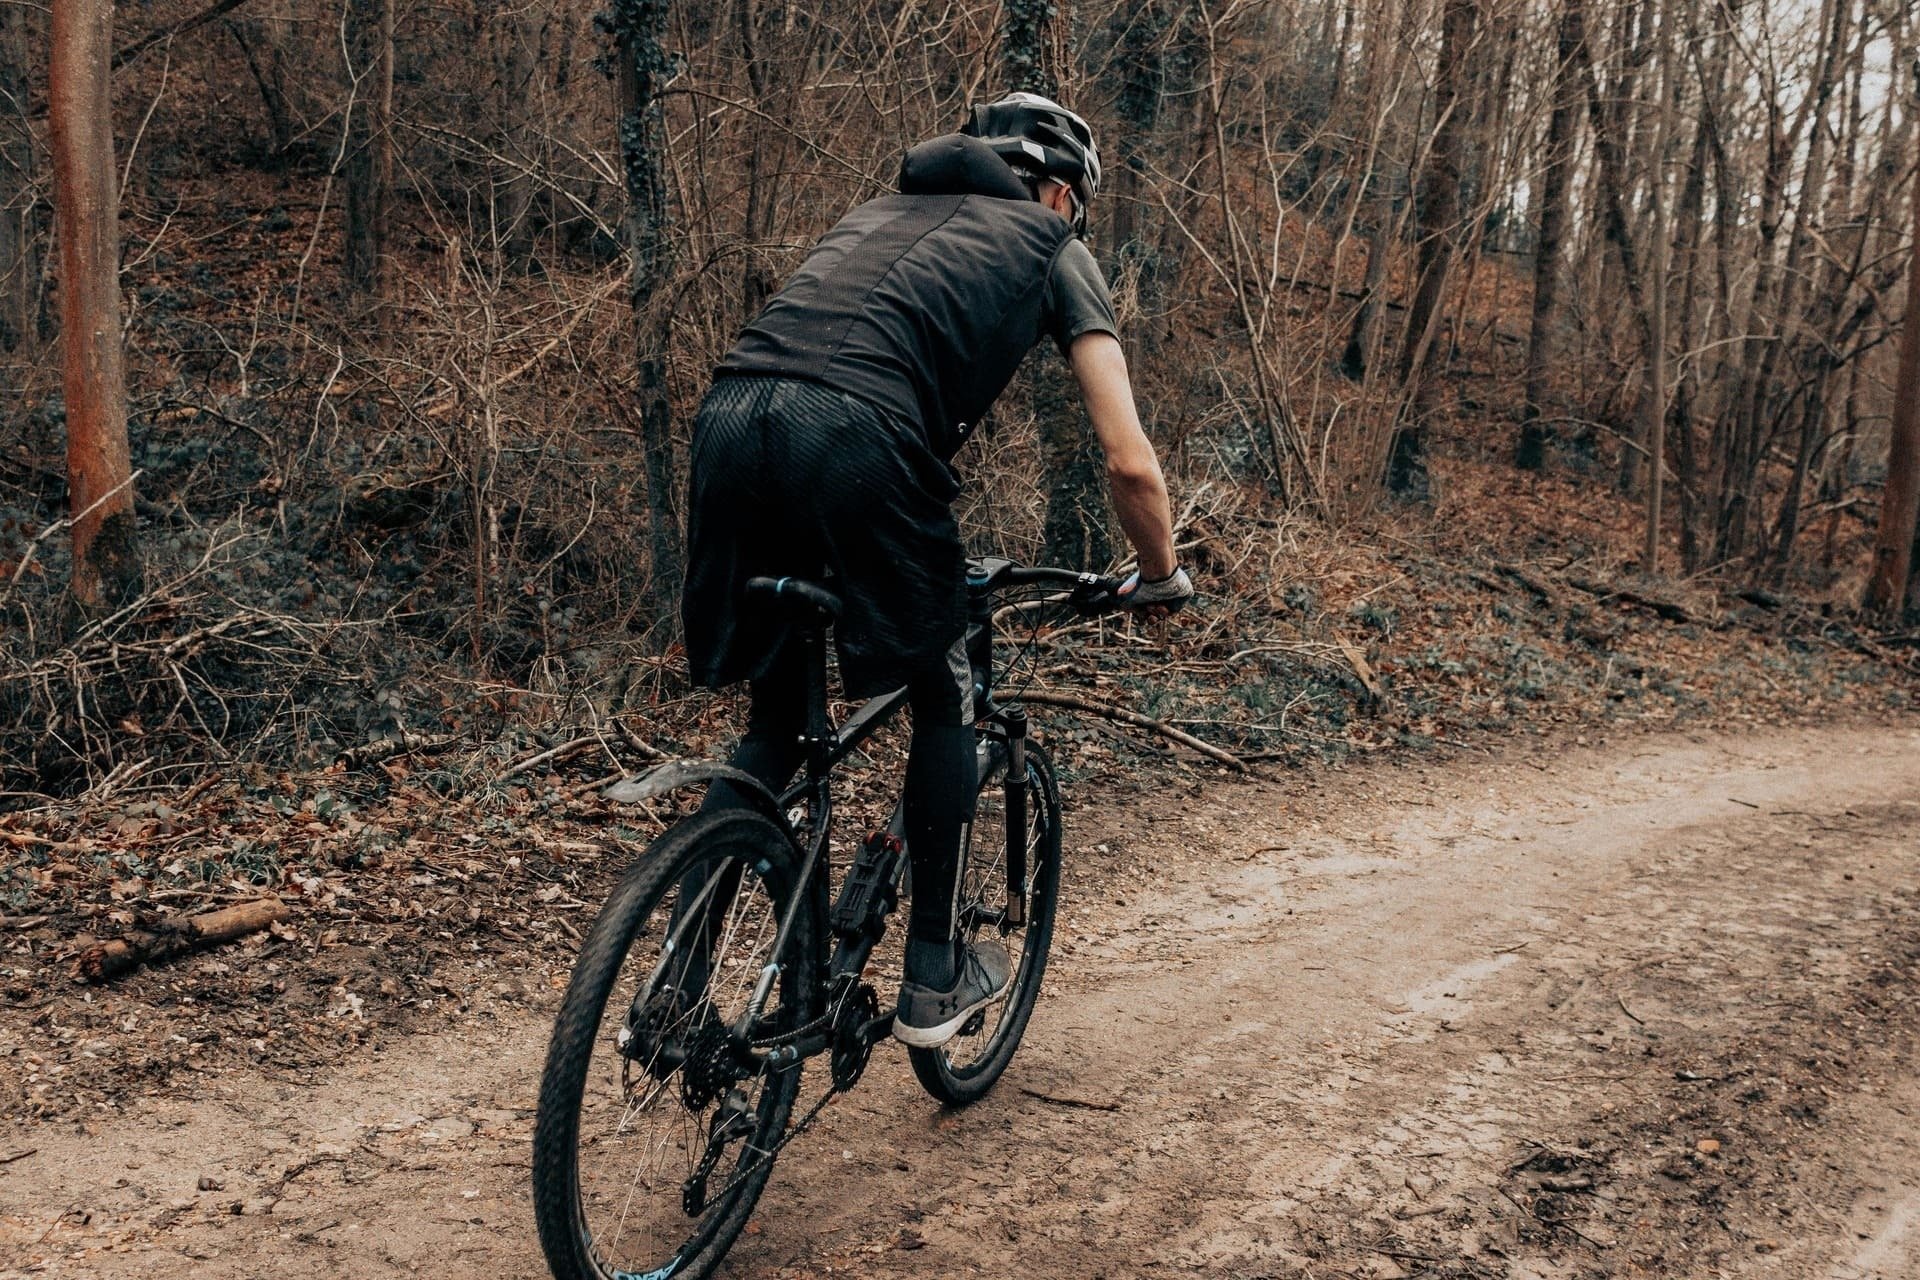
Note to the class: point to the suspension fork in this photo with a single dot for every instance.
(1015, 720)
(1012, 722)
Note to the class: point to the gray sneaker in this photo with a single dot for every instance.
(929, 1018)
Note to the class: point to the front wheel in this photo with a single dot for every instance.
(963, 1069)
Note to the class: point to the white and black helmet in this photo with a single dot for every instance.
(1040, 137)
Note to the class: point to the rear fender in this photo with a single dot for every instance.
(677, 774)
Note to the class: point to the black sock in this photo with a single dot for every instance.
(932, 964)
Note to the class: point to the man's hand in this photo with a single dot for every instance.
(1157, 599)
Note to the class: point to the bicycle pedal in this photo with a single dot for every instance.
(867, 894)
(973, 1026)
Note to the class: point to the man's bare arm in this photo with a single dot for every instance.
(1133, 470)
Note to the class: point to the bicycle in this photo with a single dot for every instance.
(718, 967)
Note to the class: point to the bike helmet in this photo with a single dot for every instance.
(1040, 138)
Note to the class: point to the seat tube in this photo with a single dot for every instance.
(813, 646)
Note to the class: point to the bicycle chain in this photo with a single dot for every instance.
(834, 1090)
(793, 1132)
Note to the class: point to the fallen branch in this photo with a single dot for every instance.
(1047, 698)
(104, 960)
(576, 746)
(634, 740)
(1535, 587)
(402, 743)
(27, 840)
(565, 751)
(1665, 608)
(1079, 1103)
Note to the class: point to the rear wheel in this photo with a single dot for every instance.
(964, 1068)
(654, 1136)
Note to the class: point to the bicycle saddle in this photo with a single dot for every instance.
(803, 601)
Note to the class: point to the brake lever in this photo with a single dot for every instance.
(1097, 596)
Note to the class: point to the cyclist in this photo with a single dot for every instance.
(822, 450)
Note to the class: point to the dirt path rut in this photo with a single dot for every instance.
(1646, 1009)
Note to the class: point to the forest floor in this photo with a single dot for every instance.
(1640, 1005)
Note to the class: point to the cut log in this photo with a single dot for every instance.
(178, 936)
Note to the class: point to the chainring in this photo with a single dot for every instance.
(851, 1048)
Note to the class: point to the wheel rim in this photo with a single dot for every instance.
(648, 1113)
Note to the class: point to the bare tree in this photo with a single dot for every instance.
(106, 552)
(1653, 428)
(369, 154)
(1554, 166)
(516, 64)
(1439, 236)
(19, 247)
(1077, 528)
(1890, 586)
(640, 72)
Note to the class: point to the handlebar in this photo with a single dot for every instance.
(1087, 593)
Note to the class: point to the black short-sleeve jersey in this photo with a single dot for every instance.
(1077, 300)
(925, 303)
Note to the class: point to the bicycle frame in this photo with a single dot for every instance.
(826, 746)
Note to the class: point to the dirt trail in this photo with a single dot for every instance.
(1645, 1009)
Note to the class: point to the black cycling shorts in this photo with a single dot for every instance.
(792, 478)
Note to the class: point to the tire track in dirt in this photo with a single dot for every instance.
(1478, 1023)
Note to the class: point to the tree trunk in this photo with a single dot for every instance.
(266, 80)
(1140, 53)
(1032, 46)
(19, 240)
(1893, 564)
(1768, 318)
(1362, 337)
(763, 162)
(1617, 224)
(516, 66)
(106, 552)
(369, 158)
(1531, 454)
(1653, 429)
(1077, 529)
(1439, 233)
(638, 26)
(1690, 223)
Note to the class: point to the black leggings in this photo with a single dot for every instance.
(941, 773)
